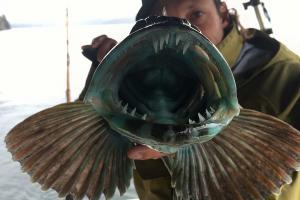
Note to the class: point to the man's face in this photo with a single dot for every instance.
(201, 13)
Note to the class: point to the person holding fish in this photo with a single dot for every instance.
(267, 75)
(165, 107)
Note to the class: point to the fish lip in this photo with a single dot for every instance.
(145, 24)
(111, 82)
(157, 135)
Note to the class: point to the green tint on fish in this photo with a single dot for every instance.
(167, 87)
(164, 86)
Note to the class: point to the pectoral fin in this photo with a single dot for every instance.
(71, 149)
(251, 159)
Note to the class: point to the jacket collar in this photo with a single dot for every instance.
(231, 46)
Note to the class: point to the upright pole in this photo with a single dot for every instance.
(255, 4)
(259, 18)
(68, 90)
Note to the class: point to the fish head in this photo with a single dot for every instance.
(165, 85)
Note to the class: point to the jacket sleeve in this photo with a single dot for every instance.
(281, 88)
(152, 180)
(275, 91)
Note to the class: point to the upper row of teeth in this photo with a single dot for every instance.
(159, 44)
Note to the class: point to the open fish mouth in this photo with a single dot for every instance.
(160, 79)
(163, 87)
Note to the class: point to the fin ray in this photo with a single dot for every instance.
(41, 120)
(71, 149)
(250, 159)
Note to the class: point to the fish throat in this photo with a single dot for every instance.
(163, 88)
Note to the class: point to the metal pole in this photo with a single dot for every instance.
(259, 18)
(68, 90)
(255, 4)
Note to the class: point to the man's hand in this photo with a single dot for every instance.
(103, 44)
(142, 152)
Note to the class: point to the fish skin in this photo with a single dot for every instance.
(80, 148)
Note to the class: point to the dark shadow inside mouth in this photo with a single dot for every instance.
(163, 87)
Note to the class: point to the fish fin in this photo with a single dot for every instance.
(250, 159)
(71, 149)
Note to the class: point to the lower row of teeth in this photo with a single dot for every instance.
(201, 118)
(133, 113)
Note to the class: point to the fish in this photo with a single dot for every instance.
(165, 86)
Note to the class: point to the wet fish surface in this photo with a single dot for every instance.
(167, 87)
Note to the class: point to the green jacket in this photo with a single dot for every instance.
(268, 80)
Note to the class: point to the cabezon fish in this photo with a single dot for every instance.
(165, 86)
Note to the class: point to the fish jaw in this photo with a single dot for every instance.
(165, 85)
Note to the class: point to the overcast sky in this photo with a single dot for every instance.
(283, 14)
(37, 11)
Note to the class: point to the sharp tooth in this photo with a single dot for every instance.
(191, 121)
(167, 38)
(161, 43)
(164, 12)
(144, 117)
(155, 46)
(201, 118)
(124, 110)
(212, 110)
(133, 165)
(177, 39)
(207, 113)
(133, 112)
(119, 103)
(185, 48)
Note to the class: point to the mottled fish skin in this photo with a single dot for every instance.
(165, 86)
